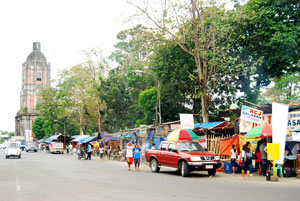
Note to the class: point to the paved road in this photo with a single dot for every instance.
(46, 177)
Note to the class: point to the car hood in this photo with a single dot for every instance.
(200, 153)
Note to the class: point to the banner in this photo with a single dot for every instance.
(187, 121)
(294, 121)
(253, 142)
(143, 131)
(226, 145)
(279, 126)
(251, 114)
(246, 126)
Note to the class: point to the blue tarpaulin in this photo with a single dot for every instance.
(82, 140)
(88, 139)
(48, 140)
(40, 141)
(207, 125)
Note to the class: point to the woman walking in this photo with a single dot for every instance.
(129, 154)
(233, 158)
(136, 156)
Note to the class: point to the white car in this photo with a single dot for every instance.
(2, 146)
(13, 149)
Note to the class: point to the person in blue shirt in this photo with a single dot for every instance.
(89, 151)
(137, 156)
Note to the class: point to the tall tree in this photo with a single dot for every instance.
(269, 36)
(202, 29)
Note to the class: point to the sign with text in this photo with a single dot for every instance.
(294, 121)
(187, 121)
(143, 131)
(251, 114)
(246, 126)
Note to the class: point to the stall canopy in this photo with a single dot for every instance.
(214, 125)
(79, 137)
(89, 139)
(40, 141)
(82, 140)
(53, 137)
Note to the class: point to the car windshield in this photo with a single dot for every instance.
(189, 146)
(13, 145)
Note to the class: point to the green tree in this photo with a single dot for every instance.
(38, 127)
(268, 36)
(203, 30)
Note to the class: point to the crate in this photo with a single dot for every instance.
(228, 168)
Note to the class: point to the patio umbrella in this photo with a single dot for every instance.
(262, 131)
(182, 134)
(95, 143)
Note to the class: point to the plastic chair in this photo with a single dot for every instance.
(278, 167)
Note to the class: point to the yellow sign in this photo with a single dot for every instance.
(273, 151)
(253, 142)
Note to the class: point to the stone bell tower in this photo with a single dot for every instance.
(35, 74)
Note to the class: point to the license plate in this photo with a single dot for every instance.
(209, 166)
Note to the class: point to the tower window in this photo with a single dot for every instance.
(39, 77)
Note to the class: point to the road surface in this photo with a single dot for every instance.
(54, 177)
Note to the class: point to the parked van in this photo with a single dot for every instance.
(56, 147)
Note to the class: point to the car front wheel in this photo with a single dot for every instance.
(184, 169)
(154, 165)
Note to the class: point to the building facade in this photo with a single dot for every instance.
(35, 74)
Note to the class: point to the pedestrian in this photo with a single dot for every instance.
(70, 148)
(153, 146)
(101, 151)
(108, 152)
(264, 161)
(233, 158)
(258, 158)
(129, 154)
(247, 160)
(67, 149)
(136, 156)
(89, 152)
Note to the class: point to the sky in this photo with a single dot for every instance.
(63, 27)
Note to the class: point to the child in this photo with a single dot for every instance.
(136, 156)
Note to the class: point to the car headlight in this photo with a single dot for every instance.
(217, 158)
(195, 158)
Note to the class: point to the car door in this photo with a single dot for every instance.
(172, 155)
(162, 153)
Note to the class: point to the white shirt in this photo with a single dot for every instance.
(129, 151)
(101, 149)
(233, 154)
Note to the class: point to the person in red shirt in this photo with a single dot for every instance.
(258, 158)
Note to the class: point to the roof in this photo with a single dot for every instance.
(36, 54)
(53, 137)
(217, 125)
(79, 137)
(207, 125)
